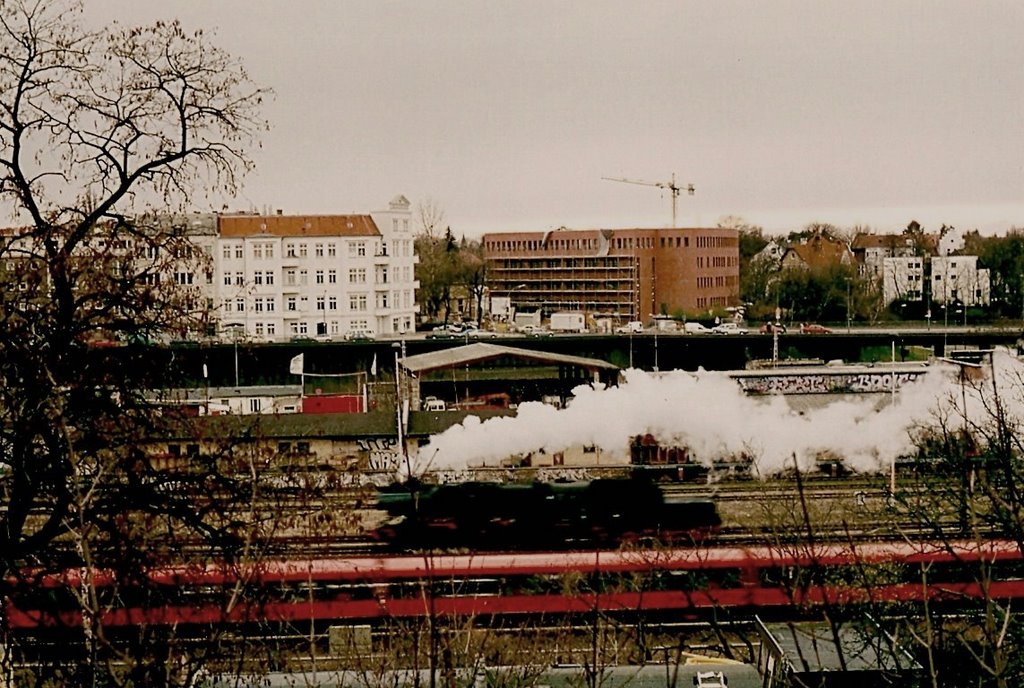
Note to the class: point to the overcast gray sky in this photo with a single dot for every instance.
(508, 114)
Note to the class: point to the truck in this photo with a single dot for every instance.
(568, 321)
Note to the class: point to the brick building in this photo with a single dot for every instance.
(628, 274)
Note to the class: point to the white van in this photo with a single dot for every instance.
(695, 328)
(433, 404)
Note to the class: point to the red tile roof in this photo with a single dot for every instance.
(297, 225)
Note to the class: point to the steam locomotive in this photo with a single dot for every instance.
(494, 516)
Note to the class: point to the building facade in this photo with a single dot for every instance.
(627, 274)
(903, 277)
(280, 276)
(958, 278)
(871, 250)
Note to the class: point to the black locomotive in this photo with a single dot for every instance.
(489, 516)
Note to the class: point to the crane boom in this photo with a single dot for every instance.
(672, 187)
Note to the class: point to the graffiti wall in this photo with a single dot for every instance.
(827, 383)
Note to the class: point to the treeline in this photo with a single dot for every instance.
(839, 290)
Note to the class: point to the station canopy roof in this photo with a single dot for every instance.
(481, 353)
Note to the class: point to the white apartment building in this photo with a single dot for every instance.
(903, 277)
(958, 278)
(280, 276)
(943, 279)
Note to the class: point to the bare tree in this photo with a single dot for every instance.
(96, 127)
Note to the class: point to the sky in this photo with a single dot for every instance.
(507, 115)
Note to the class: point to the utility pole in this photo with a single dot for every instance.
(672, 187)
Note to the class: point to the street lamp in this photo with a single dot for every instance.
(237, 331)
(656, 328)
(511, 306)
(399, 348)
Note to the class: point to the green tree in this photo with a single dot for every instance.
(812, 229)
(1003, 256)
(474, 274)
(438, 271)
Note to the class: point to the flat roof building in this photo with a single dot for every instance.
(628, 274)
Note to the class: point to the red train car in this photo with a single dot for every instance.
(689, 580)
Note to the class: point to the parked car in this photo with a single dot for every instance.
(443, 333)
(728, 328)
(814, 328)
(477, 333)
(535, 331)
(695, 328)
(770, 327)
(632, 327)
(358, 336)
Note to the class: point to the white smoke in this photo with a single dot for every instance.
(707, 413)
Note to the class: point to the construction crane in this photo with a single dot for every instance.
(673, 188)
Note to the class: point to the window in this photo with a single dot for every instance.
(227, 279)
(257, 305)
(257, 277)
(303, 329)
(254, 405)
(257, 251)
(240, 305)
(332, 276)
(284, 447)
(303, 276)
(289, 277)
(320, 301)
(269, 250)
(259, 329)
(291, 303)
(357, 302)
(271, 329)
(270, 304)
(332, 303)
(319, 276)
(356, 249)
(239, 279)
(382, 299)
(269, 276)
(357, 275)
(331, 249)
(239, 251)
(302, 250)
(318, 250)
(226, 252)
(302, 447)
(289, 250)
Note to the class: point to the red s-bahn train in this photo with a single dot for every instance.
(691, 580)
